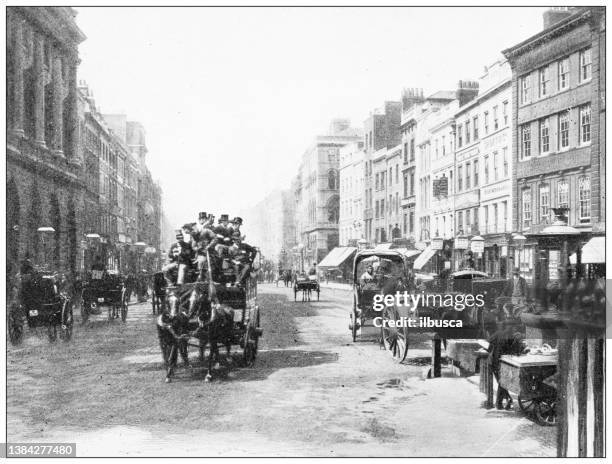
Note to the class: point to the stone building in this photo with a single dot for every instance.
(352, 169)
(442, 133)
(558, 107)
(270, 225)
(419, 116)
(316, 190)
(45, 187)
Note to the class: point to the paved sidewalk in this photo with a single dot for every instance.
(336, 285)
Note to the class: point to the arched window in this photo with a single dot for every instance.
(13, 213)
(333, 182)
(333, 209)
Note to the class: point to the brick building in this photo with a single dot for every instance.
(45, 187)
(557, 100)
(381, 134)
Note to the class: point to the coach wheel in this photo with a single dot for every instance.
(250, 351)
(395, 339)
(318, 292)
(526, 406)
(251, 340)
(295, 291)
(67, 323)
(15, 326)
(546, 411)
(124, 311)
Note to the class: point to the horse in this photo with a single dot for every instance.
(158, 293)
(287, 277)
(214, 325)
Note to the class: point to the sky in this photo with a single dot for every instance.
(232, 97)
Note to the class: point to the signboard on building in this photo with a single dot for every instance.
(443, 186)
(477, 246)
(461, 243)
(440, 187)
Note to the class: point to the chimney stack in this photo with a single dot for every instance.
(411, 97)
(555, 14)
(467, 90)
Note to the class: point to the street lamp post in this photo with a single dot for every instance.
(477, 247)
(437, 245)
(520, 240)
(301, 250)
(46, 232)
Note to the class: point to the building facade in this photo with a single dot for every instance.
(558, 149)
(45, 186)
(317, 192)
(270, 224)
(352, 171)
(381, 134)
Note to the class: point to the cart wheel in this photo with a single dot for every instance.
(318, 292)
(395, 339)
(251, 341)
(295, 293)
(525, 405)
(249, 351)
(546, 411)
(15, 326)
(124, 311)
(67, 324)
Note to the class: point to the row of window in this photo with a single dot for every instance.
(563, 135)
(469, 130)
(562, 201)
(562, 69)
(409, 183)
(470, 171)
(393, 205)
(380, 179)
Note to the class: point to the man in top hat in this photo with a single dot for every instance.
(222, 227)
(180, 256)
(244, 255)
(235, 224)
(516, 287)
(203, 240)
(170, 269)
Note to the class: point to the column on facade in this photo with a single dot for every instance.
(76, 156)
(58, 106)
(18, 63)
(39, 90)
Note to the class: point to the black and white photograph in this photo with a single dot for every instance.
(305, 230)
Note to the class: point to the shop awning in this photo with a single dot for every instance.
(425, 256)
(336, 257)
(411, 253)
(593, 252)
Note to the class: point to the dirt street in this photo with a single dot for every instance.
(311, 392)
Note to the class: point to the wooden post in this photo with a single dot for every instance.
(486, 381)
(436, 357)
